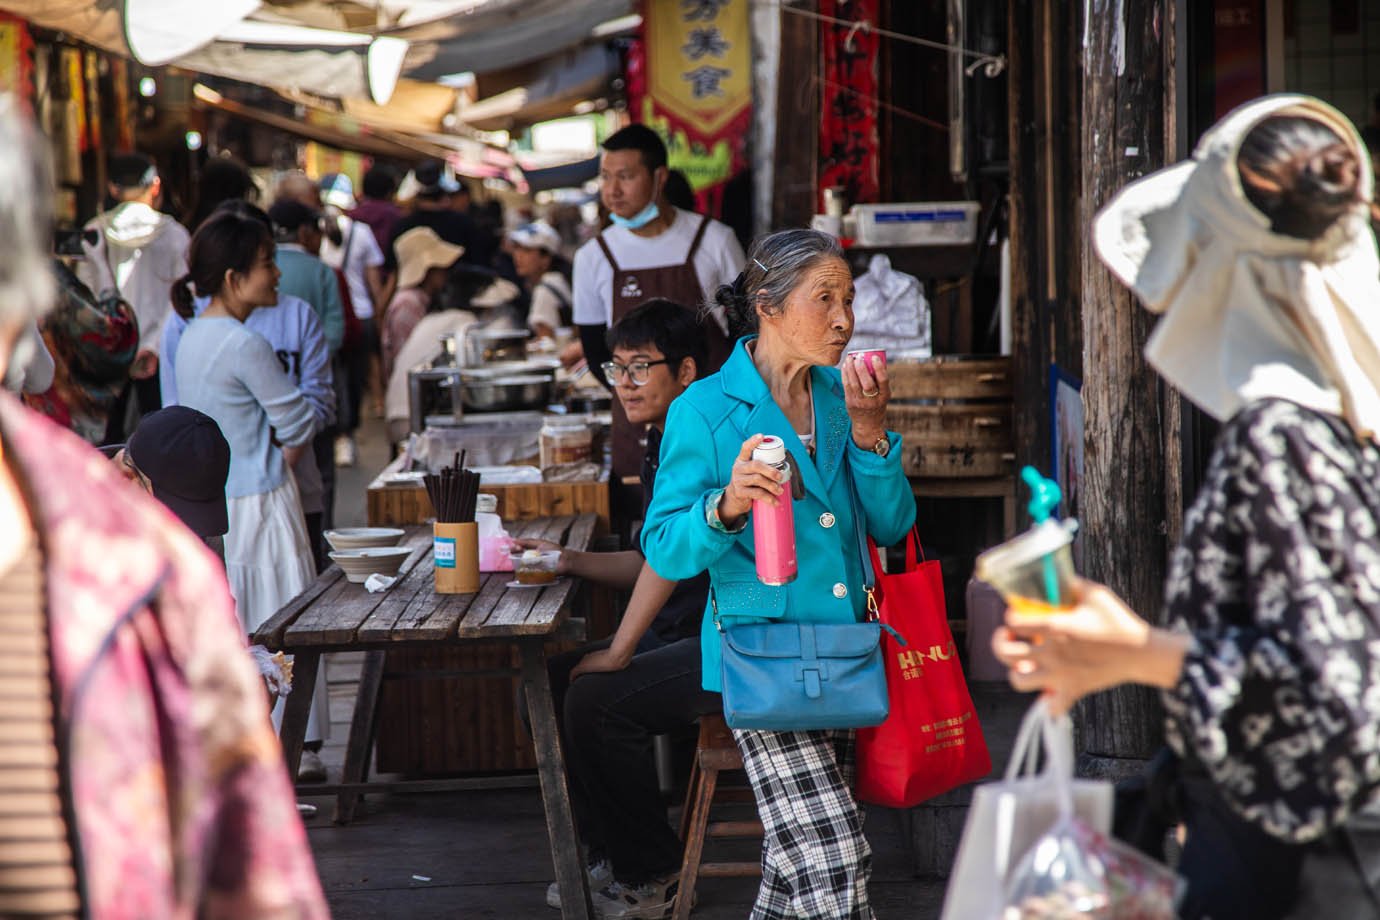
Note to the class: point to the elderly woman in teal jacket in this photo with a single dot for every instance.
(797, 294)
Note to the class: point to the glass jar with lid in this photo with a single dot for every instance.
(565, 439)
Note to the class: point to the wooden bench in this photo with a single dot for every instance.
(333, 614)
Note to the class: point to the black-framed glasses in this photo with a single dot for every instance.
(639, 372)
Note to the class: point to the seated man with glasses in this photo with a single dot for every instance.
(613, 696)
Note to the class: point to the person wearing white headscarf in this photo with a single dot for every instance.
(1259, 256)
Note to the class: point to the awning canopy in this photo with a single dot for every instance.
(548, 89)
(535, 59)
(339, 131)
(498, 34)
(217, 38)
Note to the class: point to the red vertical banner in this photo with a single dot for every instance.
(689, 77)
(849, 143)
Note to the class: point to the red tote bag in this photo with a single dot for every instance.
(931, 742)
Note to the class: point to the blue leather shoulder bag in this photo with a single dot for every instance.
(806, 676)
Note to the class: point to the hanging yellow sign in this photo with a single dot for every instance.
(699, 60)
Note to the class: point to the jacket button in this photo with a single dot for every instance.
(840, 590)
(826, 520)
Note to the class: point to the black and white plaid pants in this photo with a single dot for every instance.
(815, 859)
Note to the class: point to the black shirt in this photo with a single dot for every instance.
(679, 618)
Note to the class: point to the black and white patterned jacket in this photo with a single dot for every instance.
(1278, 581)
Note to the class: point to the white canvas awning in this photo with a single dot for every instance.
(218, 38)
(342, 49)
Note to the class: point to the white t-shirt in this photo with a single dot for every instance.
(550, 294)
(718, 261)
(364, 252)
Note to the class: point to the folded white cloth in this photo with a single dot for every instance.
(1250, 314)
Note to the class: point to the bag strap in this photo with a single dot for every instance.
(914, 548)
(865, 550)
(349, 245)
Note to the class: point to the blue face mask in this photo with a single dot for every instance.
(639, 220)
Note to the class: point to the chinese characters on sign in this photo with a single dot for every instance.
(693, 85)
(849, 145)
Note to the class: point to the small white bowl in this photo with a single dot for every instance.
(359, 564)
(362, 537)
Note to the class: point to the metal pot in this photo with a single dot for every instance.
(588, 403)
(528, 391)
(485, 346)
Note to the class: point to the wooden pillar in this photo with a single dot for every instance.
(1131, 469)
(797, 128)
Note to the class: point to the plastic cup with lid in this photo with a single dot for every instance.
(1034, 571)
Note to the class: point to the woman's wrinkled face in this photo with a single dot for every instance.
(817, 321)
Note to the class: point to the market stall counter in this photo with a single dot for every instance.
(450, 726)
(516, 622)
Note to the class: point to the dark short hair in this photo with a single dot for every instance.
(131, 170)
(679, 191)
(380, 182)
(671, 327)
(245, 209)
(642, 139)
(289, 214)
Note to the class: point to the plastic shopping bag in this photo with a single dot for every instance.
(1073, 871)
(1006, 818)
(890, 311)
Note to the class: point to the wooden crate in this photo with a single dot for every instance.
(954, 441)
(954, 417)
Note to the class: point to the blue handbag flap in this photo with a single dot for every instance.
(750, 598)
(831, 640)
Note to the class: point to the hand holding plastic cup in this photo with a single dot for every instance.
(1034, 571)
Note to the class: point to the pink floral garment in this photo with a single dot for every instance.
(183, 806)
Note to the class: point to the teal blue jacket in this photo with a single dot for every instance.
(705, 431)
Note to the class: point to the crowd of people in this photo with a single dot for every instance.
(224, 367)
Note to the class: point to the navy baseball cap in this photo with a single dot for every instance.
(187, 461)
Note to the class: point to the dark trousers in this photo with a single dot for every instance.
(323, 449)
(1235, 871)
(607, 725)
(318, 543)
(356, 376)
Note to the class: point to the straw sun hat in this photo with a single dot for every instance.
(419, 250)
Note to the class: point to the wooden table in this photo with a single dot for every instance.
(336, 615)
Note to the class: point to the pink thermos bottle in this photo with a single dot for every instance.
(773, 529)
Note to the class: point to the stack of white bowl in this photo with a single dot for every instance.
(364, 551)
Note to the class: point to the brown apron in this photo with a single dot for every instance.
(633, 287)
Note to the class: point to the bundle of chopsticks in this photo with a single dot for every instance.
(453, 492)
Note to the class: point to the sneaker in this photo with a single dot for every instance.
(344, 451)
(653, 900)
(310, 769)
(599, 873)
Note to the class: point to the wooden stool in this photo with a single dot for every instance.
(715, 752)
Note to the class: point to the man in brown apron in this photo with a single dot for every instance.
(666, 254)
